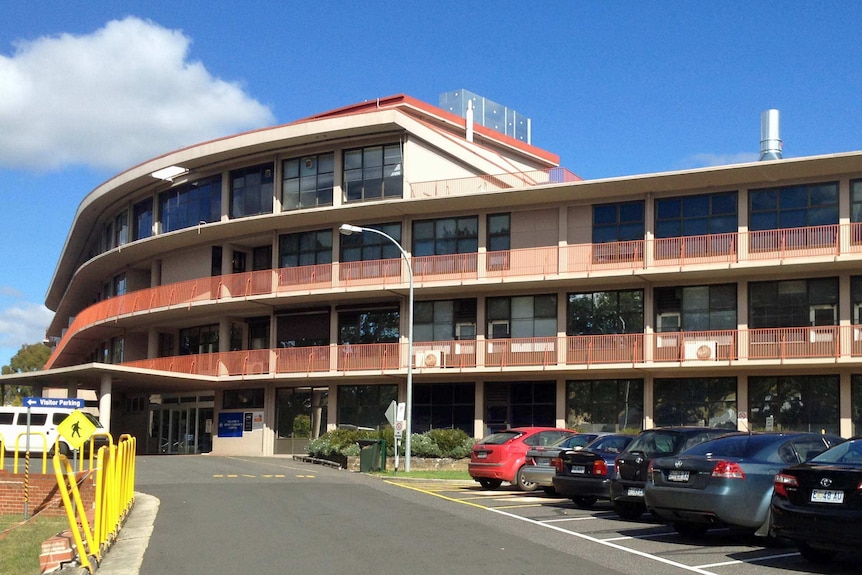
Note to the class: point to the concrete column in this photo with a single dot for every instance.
(72, 390)
(845, 408)
(105, 402)
(478, 412)
(742, 404)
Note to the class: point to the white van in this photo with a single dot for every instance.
(43, 420)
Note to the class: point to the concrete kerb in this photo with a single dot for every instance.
(126, 555)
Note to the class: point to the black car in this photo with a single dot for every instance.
(818, 504)
(584, 476)
(627, 488)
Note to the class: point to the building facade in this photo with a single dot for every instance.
(209, 300)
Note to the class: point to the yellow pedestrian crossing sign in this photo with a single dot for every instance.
(76, 429)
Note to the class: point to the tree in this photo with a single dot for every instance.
(31, 357)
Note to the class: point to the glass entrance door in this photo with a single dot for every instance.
(183, 430)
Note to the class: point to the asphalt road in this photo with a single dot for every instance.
(255, 515)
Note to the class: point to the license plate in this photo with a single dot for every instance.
(543, 461)
(635, 492)
(827, 496)
(677, 475)
(482, 455)
(579, 469)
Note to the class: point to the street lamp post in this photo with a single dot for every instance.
(346, 230)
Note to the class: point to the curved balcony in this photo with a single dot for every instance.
(703, 349)
(570, 262)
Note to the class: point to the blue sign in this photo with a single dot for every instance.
(230, 424)
(64, 402)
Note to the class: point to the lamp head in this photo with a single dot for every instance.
(348, 229)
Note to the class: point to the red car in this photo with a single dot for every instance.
(500, 456)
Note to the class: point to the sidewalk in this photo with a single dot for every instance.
(127, 553)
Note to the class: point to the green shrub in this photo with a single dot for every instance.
(449, 443)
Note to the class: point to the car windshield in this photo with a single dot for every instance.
(733, 446)
(849, 452)
(610, 444)
(573, 441)
(657, 443)
(500, 437)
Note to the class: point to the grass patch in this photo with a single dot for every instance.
(20, 547)
(428, 474)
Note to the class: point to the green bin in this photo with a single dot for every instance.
(372, 454)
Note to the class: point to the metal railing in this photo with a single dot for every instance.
(114, 498)
(490, 183)
(701, 347)
(583, 259)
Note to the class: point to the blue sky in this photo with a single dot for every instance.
(615, 88)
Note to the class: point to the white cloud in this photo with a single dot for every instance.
(113, 98)
(23, 323)
(709, 160)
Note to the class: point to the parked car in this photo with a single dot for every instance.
(500, 456)
(542, 462)
(726, 482)
(627, 488)
(818, 504)
(585, 475)
(43, 429)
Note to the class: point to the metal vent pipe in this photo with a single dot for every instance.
(770, 142)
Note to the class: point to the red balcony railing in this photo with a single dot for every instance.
(588, 259)
(702, 348)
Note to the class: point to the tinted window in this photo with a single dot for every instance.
(6, 418)
(58, 418)
(847, 452)
(734, 446)
(612, 444)
(499, 438)
(656, 444)
(35, 419)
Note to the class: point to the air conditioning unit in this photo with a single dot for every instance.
(432, 358)
(668, 322)
(816, 336)
(700, 350)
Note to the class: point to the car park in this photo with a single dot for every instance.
(585, 475)
(726, 482)
(627, 488)
(818, 504)
(500, 456)
(543, 462)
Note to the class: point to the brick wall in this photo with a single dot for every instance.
(44, 494)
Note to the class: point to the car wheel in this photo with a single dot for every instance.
(523, 484)
(630, 511)
(584, 502)
(814, 555)
(490, 483)
(549, 491)
(691, 530)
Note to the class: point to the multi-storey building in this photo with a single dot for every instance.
(209, 299)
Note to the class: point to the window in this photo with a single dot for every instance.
(446, 236)
(522, 317)
(142, 219)
(121, 229)
(520, 404)
(370, 246)
(308, 181)
(117, 350)
(303, 329)
(190, 204)
(699, 308)
(365, 405)
(119, 285)
(196, 340)
(605, 312)
(499, 241)
(215, 263)
(696, 215)
(243, 398)
(251, 191)
(793, 206)
(793, 403)
(605, 405)
(373, 173)
(618, 222)
(368, 326)
(704, 401)
(790, 303)
(258, 333)
(444, 406)
(261, 258)
(305, 249)
(444, 320)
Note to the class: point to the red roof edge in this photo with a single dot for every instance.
(403, 100)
